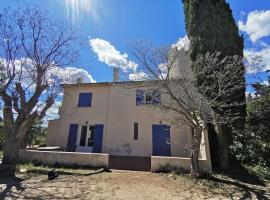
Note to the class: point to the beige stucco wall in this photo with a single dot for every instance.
(65, 158)
(53, 133)
(205, 164)
(157, 163)
(115, 107)
(123, 112)
(72, 114)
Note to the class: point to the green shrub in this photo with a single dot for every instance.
(252, 145)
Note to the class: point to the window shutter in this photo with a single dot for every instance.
(85, 100)
(72, 137)
(156, 97)
(139, 97)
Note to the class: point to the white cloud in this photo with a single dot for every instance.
(264, 55)
(138, 76)
(26, 73)
(266, 83)
(182, 44)
(64, 75)
(109, 55)
(71, 74)
(52, 112)
(257, 24)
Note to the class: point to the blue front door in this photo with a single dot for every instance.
(98, 138)
(161, 140)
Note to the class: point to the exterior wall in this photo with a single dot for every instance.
(157, 163)
(123, 112)
(53, 133)
(65, 158)
(114, 105)
(70, 113)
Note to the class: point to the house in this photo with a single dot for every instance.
(121, 119)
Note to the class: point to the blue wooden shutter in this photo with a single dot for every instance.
(98, 138)
(139, 97)
(85, 100)
(156, 97)
(72, 137)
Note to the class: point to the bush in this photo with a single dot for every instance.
(2, 136)
(35, 135)
(252, 145)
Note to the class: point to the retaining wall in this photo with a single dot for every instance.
(65, 158)
(158, 162)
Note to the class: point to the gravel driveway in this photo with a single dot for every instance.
(127, 186)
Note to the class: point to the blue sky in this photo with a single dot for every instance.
(106, 27)
(120, 22)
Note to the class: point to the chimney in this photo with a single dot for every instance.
(115, 74)
(79, 80)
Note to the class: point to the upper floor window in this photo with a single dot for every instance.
(150, 97)
(85, 100)
(139, 97)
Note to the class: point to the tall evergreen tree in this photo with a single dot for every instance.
(211, 28)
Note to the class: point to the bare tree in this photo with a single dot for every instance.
(170, 70)
(32, 50)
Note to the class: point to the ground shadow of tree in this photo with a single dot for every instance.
(240, 173)
(9, 184)
(245, 189)
(9, 192)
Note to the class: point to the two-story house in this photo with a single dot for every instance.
(121, 119)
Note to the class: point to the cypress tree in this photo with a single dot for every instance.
(211, 28)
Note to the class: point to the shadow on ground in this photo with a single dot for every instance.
(245, 181)
(238, 172)
(9, 184)
(246, 190)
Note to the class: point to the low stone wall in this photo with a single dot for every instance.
(65, 158)
(159, 162)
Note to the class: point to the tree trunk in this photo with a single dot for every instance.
(223, 135)
(195, 151)
(10, 155)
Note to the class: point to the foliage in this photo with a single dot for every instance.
(211, 29)
(36, 134)
(210, 34)
(260, 171)
(252, 145)
(2, 135)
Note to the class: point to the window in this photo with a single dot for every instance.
(151, 97)
(136, 131)
(85, 100)
(139, 97)
(87, 136)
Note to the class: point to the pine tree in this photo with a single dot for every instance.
(211, 28)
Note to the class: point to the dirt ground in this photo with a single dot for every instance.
(128, 186)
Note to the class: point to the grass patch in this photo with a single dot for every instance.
(1, 155)
(32, 168)
(172, 170)
(261, 172)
